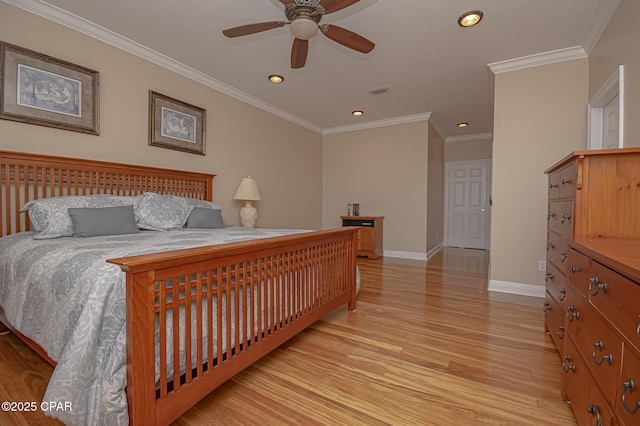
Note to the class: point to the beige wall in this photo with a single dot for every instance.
(241, 140)
(618, 45)
(385, 170)
(435, 190)
(468, 150)
(540, 116)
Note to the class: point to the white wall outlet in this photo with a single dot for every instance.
(542, 265)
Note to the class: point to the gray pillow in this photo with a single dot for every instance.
(201, 217)
(50, 218)
(96, 221)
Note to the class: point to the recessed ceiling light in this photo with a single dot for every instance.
(357, 113)
(463, 124)
(471, 18)
(275, 78)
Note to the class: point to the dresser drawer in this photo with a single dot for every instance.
(578, 387)
(556, 283)
(628, 397)
(554, 320)
(568, 179)
(557, 251)
(560, 217)
(562, 182)
(576, 307)
(618, 298)
(602, 350)
(579, 272)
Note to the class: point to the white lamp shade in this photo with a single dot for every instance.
(248, 190)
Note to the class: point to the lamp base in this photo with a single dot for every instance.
(248, 215)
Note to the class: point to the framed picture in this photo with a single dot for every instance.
(174, 124)
(39, 89)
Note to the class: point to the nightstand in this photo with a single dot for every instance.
(369, 234)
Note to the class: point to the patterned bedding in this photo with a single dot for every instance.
(63, 295)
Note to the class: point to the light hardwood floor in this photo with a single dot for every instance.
(427, 345)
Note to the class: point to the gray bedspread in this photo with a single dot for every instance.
(63, 295)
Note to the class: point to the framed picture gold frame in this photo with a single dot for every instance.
(39, 89)
(174, 124)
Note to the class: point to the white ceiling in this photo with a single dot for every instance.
(433, 67)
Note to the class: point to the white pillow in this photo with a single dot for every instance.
(157, 212)
(50, 218)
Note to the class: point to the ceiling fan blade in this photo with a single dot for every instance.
(299, 52)
(252, 28)
(335, 5)
(348, 38)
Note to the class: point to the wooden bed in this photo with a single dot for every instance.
(311, 274)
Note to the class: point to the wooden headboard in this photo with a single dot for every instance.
(25, 177)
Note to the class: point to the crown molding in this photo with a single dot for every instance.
(472, 137)
(605, 12)
(86, 27)
(538, 59)
(377, 123)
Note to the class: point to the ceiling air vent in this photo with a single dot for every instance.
(379, 90)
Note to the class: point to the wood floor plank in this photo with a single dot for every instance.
(427, 345)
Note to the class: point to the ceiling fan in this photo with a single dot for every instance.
(304, 17)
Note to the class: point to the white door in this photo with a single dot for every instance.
(611, 118)
(468, 204)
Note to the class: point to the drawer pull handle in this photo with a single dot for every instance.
(594, 287)
(560, 332)
(550, 245)
(629, 386)
(563, 294)
(565, 217)
(546, 307)
(572, 314)
(548, 276)
(598, 347)
(551, 214)
(553, 185)
(574, 269)
(566, 181)
(566, 367)
(564, 256)
(638, 329)
(595, 411)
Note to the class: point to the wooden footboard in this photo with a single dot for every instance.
(242, 300)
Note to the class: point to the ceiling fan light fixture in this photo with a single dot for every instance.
(471, 18)
(309, 3)
(276, 78)
(303, 28)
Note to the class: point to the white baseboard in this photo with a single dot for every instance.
(405, 254)
(433, 251)
(412, 254)
(517, 288)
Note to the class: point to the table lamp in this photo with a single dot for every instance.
(248, 191)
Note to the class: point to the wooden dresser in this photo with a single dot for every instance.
(369, 234)
(593, 282)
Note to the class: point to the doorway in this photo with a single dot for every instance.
(467, 204)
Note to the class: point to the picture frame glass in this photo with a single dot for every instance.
(42, 90)
(175, 124)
